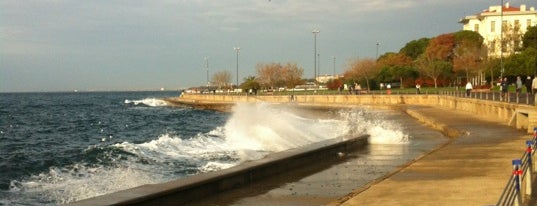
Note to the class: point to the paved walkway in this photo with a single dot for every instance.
(472, 169)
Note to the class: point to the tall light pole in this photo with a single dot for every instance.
(315, 32)
(501, 41)
(334, 68)
(377, 56)
(207, 69)
(237, 50)
(318, 65)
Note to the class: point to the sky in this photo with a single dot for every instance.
(110, 45)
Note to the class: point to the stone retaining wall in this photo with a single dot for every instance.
(517, 115)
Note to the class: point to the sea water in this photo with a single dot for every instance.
(57, 148)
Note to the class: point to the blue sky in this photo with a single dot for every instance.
(96, 45)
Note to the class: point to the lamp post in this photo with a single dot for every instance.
(315, 32)
(377, 56)
(501, 41)
(334, 68)
(207, 69)
(237, 50)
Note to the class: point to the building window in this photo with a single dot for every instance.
(528, 22)
(493, 26)
(517, 26)
(504, 26)
(492, 47)
(476, 28)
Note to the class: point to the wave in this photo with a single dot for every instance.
(251, 132)
(151, 102)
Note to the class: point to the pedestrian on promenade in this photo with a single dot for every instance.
(528, 85)
(418, 86)
(518, 85)
(534, 86)
(503, 87)
(468, 88)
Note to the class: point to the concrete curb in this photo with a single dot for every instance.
(188, 189)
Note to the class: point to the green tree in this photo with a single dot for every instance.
(396, 66)
(250, 83)
(521, 64)
(415, 48)
(530, 38)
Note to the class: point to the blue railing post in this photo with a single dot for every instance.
(516, 176)
(529, 152)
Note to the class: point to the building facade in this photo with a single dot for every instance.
(499, 24)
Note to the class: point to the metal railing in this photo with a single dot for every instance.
(491, 95)
(519, 187)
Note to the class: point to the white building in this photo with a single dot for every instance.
(513, 20)
(325, 78)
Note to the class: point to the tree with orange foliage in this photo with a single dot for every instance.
(437, 57)
(292, 75)
(277, 75)
(269, 74)
(362, 69)
(441, 47)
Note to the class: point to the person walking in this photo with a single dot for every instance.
(527, 83)
(504, 87)
(468, 88)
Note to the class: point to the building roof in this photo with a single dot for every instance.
(506, 8)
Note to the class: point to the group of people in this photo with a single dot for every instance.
(531, 86)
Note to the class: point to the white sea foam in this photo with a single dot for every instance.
(152, 102)
(379, 129)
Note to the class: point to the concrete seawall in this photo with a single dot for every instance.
(516, 115)
(191, 188)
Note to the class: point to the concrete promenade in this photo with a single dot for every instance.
(471, 169)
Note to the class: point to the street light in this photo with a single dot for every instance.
(207, 69)
(237, 50)
(501, 41)
(378, 44)
(315, 32)
(334, 68)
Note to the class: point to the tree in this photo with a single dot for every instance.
(277, 75)
(269, 74)
(250, 83)
(396, 66)
(415, 48)
(530, 38)
(334, 84)
(521, 64)
(441, 47)
(432, 67)
(467, 56)
(292, 75)
(221, 79)
(362, 69)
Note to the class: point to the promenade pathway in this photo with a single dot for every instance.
(471, 169)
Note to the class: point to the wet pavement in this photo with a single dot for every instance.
(473, 169)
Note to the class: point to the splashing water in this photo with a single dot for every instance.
(152, 102)
(252, 131)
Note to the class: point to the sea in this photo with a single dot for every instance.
(58, 148)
